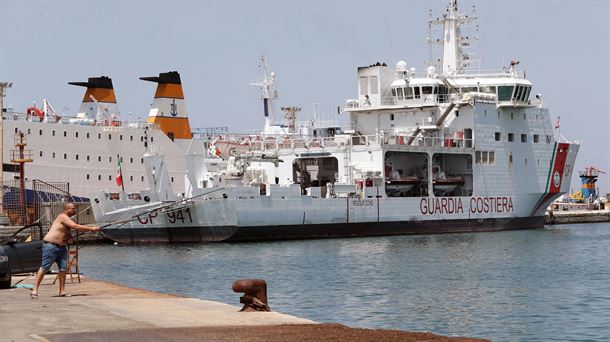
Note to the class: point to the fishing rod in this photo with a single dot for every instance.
(150, 211)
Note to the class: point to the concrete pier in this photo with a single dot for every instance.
(101, 311)
(577, 216)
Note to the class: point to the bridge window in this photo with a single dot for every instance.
(511, 137)
(408, 93)
(426, 90)
(523, 138)
(549, 139)
(536, 138)
(394, 92)
(416, 92)
(498, 136)
(400, 94)
(505, 93)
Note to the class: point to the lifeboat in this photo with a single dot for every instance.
(32, 112)
(446, 185)
(400, 187)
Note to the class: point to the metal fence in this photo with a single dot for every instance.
(39, 201)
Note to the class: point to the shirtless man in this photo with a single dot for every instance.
(54, 247)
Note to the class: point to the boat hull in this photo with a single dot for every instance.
(318, 231)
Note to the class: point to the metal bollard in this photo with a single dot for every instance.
(255, 294)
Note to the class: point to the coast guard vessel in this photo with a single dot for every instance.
(449, 150)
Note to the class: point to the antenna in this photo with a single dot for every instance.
(268, 95)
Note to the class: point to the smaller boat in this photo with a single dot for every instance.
(401, 186)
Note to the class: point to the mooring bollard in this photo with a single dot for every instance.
(255, 294)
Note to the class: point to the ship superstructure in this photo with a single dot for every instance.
(451, 150)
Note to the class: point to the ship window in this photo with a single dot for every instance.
(76, 134)
(76, 157)
(400, 94)
(498, 136)
(142, 160)
(523, 138)
(65, 156)
(492, 157)
(87, 157)
(99, 135)
(53, 155)
(536, 138)
(408, 93)
(172, 179)
(511, 137)
(65, 134)
(153, 139)
(142, 178)
(131, 178)
(131, 160)
(99, 158)
(17, 130)
(484, 157)
(510, 158)
(374, 85)
(52, 134)
(548, 139)
(109, 136)
(40, 132)
(394, 92)
(477, 158)
(41, 153)
(109, 177)
(121, 137)
(505, 93)
(426, 90)
(87, 176)
(364, 85)
(131, 137)
(87, 135)
(416, 92)
(392, 117)
(99, 177)
(110, 159)
(141, 138)
(518, 93)
(29, 131)
(527, 94)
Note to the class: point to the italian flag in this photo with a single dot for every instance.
(119, 174)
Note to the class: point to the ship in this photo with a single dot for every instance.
(449, 150)
(84, 149)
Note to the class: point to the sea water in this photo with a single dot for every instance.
(550, 284)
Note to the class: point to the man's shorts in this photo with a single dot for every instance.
(54, 253)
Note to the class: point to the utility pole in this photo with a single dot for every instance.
(3, 85)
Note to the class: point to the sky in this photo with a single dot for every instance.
(314, 47)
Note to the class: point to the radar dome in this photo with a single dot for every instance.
(412, 71)
(401, 66)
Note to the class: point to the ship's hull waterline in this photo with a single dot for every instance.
(318, 231)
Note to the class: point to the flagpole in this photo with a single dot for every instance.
(121, 172)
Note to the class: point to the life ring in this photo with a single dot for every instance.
(33, 111)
